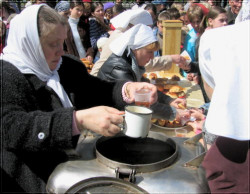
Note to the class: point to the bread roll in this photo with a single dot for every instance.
(176, 89)
(152, 76)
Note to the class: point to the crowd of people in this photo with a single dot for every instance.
(48, 98)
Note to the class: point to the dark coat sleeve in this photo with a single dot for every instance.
(35, 129)
(28, 111)
(86, 90)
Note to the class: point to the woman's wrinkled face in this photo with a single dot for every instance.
(76, 12)
(99, 12)
(52, 45)
(143, 56)
(219, 21)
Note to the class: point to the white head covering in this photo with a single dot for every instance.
(137, 16)
(224, 65)
(136, 37)
(244, 12)
(24, 51)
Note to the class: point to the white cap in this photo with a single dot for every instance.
(137, 16)
(136, 37)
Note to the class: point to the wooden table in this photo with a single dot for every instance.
(194, 99)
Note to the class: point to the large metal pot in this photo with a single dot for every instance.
(158, 174)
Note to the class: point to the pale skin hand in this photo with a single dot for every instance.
(182, 115)
(177, 101)
(197, 113)
(101, 119)
(198, 124)
(193, 77)
(181, 61)
(135, 86)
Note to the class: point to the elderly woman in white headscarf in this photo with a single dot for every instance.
(227, 161)
(123, 22)
(47, 100)
(131, 52)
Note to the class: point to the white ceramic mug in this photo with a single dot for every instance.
(137, 121)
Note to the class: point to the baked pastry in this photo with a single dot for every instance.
(161, 122)
(176, 92)
(161, 80)
(181, 106)
(176, 89)
(153, 120)
(152, 76)
(168, 86)
(175, 78)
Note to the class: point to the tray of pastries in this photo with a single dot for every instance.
(168, 125)
(169, 86)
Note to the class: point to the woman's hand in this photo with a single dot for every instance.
(101, 119)
(182, 116)
(196, 125)
(175, 103)
(197, 113)
(193, 77)
(181, 61)
(135, 86)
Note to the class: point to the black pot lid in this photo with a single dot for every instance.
(104, 185)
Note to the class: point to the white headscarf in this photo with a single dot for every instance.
(138, 16)
(24, 51)
(244, 13)
(136, 37)
(224, 65)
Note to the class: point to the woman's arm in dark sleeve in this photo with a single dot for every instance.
(88, 91)
(25, 125)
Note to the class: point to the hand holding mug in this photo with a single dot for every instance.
(101, 119)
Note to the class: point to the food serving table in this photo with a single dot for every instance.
(194, 98)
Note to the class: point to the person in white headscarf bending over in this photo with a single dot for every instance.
(227, 161)
(123, 22)
(48, 100)
(131, 52)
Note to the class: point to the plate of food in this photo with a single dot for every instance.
(168, 125)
